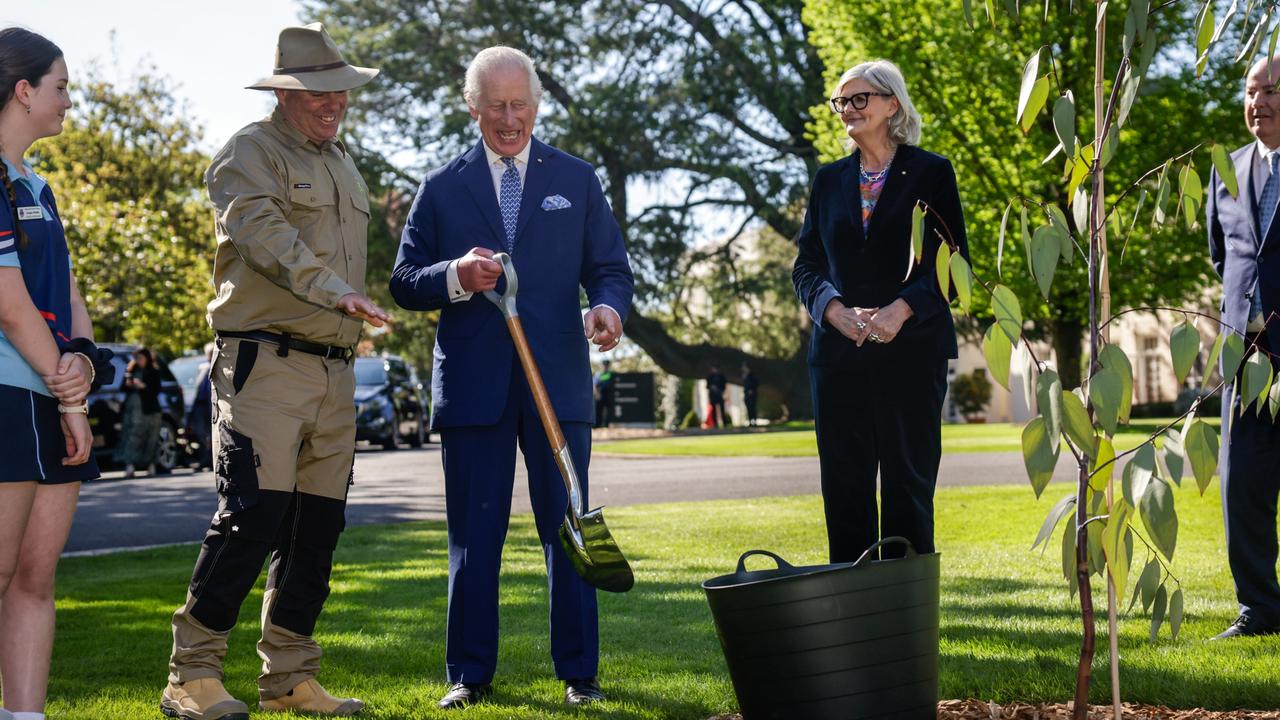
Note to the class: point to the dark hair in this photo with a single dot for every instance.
(24, 55)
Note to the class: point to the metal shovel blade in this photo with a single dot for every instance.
(595, 554)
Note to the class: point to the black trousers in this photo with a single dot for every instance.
(298, 531)
(1250, 484)
(881, 412)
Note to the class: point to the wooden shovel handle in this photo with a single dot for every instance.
(546, 412)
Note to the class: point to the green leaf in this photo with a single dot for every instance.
(1004, 224)
(1045, 251)
(1201, 443)
(1175, 613)
(1212, 363)
(1232, 354)
(1057, 218)
(917, 233)
(1110, 144)
(1030, 76)
(942, 267)
(1097, 557)
(1079, 171)
(1039, 94)
(1113, 358)
(1174, 455)
(962, 276)
(1159, 517)
(1137, 474)
(1117, 553)
(1102, 467)
(1273, 400)
(1026, 234)
(1075, 420)
(1256, 379)
(1060, 510)
(1226, 169)
(1039, 458)
(1184, 344)
(1069, 558)
(1128, 93)
(1049, 401)
(1008, 312)
(1148, 52)
(1064, 122)
(968, 13)
(1163, 189)
(1105, 389)
(1080, 211)
(1191, 194)
(1204, 35)
(1157, 612)
(997, 350)
(1148, 583)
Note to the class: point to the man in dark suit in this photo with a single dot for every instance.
(1242, 237)
(546, 208)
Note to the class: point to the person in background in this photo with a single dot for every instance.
(716, 386)
(140, 414)
(200, 416)
(48, 365)
(750, 392)
(604, 385)
(878, 356)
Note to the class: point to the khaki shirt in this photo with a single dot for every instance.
(292, 221)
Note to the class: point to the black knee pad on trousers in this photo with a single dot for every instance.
(303, 561)
(232, 555)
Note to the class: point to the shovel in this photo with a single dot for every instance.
(584, 536)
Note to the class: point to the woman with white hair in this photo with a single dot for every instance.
(878, 356)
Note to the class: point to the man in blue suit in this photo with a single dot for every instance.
(1243, 235)
(546, 208)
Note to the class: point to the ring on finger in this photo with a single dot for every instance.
(873, 337)
(860, 325)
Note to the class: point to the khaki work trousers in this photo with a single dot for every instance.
(283, 445)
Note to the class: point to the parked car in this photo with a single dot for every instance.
(107, 402)
(389, 403)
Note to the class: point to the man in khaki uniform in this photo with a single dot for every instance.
(292, 217)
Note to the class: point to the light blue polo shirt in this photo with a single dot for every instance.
(32, 191)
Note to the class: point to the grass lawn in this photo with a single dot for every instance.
(1009, 632)
(992, 437)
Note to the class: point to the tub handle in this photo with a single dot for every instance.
(742, 561)
(869, 554)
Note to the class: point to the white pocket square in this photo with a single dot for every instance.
(555, 202)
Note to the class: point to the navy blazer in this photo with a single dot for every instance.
(1237, 253)
(557, 250)
(837, 260)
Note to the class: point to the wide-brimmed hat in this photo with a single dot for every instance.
(308, 59)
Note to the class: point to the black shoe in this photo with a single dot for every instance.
(582, 691)
(463, 694)
(1247, 626)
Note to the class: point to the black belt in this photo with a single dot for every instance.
(284, 342)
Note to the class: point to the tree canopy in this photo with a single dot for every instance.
(127, 177)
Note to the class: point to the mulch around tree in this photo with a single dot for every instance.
(982, 710)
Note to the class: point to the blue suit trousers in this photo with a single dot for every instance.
(479, 468)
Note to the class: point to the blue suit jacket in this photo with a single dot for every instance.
(837, 260)
(1238, 251)
(557, 251)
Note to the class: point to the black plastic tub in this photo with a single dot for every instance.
(828, 642)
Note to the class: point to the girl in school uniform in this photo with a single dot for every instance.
(47, 367)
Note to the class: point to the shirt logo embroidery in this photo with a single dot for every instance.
(302, 186)
(30, 213)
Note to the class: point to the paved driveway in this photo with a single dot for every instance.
(409, 485)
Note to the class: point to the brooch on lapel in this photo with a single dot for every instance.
(555, 202)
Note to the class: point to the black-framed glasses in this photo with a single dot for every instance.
(857, 100)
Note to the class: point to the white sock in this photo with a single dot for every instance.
(27, 716)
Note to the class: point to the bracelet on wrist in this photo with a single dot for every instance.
(93, 374)
(81, 409)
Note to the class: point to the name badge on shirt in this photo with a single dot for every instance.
(32, 212)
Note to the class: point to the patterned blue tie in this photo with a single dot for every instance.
(509, 200)
(1270, 193)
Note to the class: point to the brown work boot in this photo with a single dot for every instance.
(202, 699)
(309, 697)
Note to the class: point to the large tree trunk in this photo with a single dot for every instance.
(785, 380)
